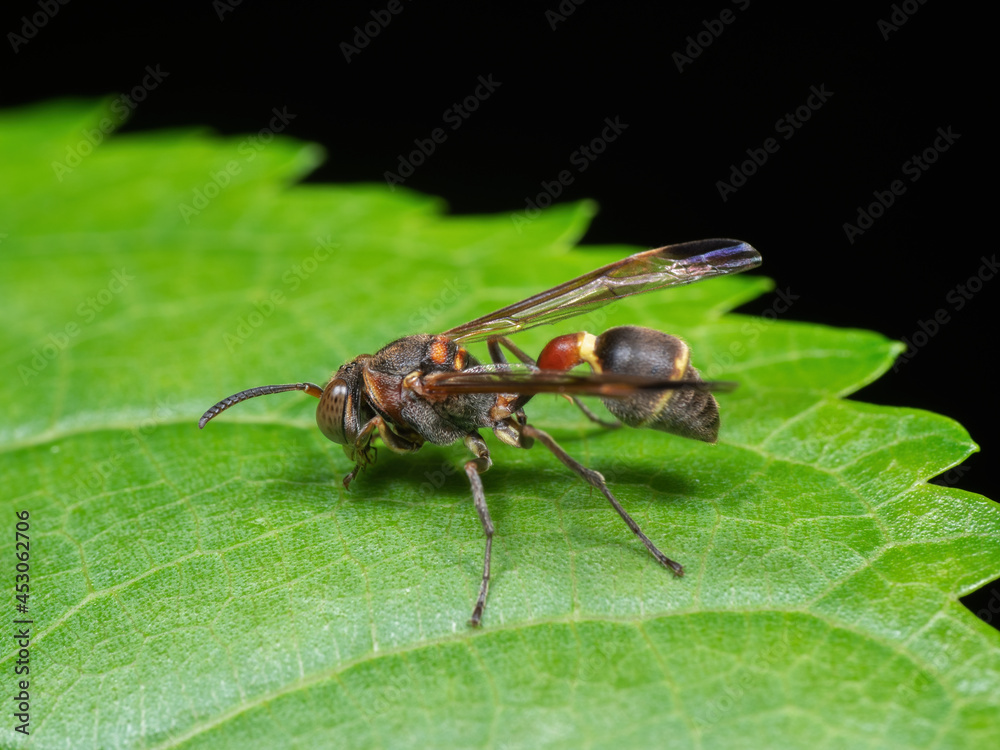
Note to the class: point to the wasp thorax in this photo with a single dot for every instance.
(631, 350)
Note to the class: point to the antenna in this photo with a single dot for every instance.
(264, 390)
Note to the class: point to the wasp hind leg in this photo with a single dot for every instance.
(496, 354)
(611, 425)
(596, 479)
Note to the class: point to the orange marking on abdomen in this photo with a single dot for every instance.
(561, 353)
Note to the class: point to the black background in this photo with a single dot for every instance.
(563, 69)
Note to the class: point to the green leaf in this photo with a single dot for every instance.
(219, 588)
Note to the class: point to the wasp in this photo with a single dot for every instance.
(429, 388)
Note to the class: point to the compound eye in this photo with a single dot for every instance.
(331, 415)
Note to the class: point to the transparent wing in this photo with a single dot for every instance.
(528, 381)
(663, 267)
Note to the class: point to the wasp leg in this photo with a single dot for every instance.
(395, 442)
(613, 425)
(473, 469)
(496, 354)
(596, 479)
(364, 453)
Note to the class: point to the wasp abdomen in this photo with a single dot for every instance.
(631, 350)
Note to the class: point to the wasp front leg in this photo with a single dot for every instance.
(363, 453)
(482, 462)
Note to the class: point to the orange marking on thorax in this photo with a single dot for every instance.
(439, 350)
